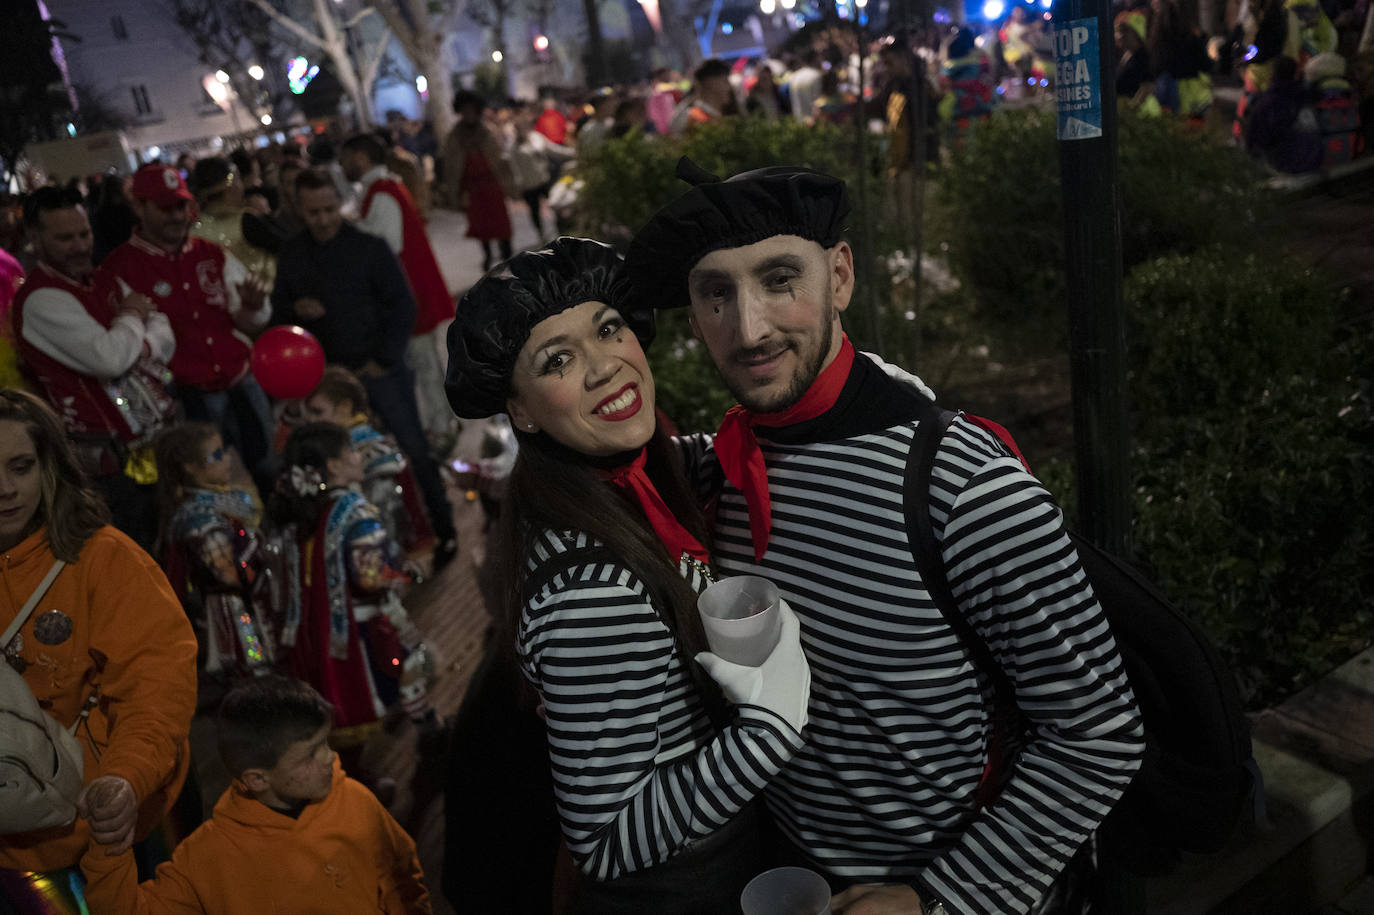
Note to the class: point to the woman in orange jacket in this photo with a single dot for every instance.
(107, 649)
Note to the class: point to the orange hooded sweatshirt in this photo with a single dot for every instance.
(124, 638)
(344, 855)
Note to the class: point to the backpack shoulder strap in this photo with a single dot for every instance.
(1007, 721)
(27, 610)
(925, 550)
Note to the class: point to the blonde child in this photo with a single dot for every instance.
(212, 549)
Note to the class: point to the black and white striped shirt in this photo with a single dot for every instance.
(639, 771)
(884, 788)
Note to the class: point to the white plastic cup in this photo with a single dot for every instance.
(742, 618)
(786, 891)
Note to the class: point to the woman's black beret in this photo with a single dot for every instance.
(495, 317)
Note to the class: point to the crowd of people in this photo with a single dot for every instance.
(208, 541)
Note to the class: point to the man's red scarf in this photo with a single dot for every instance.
(674, 537)
(738, 449)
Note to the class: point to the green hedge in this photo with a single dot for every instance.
(626, 180)
(1250, 401)
(1252, 460)
(1255, 495)
(999, 211)
(687, 385)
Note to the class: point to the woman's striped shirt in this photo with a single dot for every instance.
(639, 771)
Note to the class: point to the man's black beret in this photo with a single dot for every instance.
(715, 214)
(495, 317)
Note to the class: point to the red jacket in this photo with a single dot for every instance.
(81, 400)
(433, 305)
(553, 125)
(194, 287)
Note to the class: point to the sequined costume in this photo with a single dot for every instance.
(217, 556)
(390, 486)
(348, 635)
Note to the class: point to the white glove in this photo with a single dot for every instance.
(781, 684)
(901, 376)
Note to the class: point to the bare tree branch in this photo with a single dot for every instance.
(392, 17)
(290, 24)
(374, 60)
(229, 35)
(362, 14)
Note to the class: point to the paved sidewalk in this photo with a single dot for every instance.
(460, 257)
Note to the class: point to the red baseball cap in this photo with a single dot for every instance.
(161, 184)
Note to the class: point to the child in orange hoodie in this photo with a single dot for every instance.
(292, 834)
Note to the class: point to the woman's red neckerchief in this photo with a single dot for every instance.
(739, 452)
(674, 537)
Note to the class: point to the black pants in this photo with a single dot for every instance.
(534, 197)
(503, 244)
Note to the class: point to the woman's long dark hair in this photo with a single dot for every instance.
(70, 509)
(554, 488)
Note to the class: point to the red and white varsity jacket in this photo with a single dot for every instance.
(104, 374)
(196, 288)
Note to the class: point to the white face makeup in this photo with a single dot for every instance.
(769, 314)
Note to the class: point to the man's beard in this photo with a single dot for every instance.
(801, 382)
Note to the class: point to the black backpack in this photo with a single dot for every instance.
(1198, 777)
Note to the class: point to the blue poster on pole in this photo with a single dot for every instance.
(1077, 79)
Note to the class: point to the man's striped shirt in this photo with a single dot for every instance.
(884, 787)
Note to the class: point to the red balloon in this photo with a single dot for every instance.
(288, 362)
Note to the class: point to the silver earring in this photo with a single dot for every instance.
(530, 426)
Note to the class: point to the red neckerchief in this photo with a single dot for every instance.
(739, 452)
(674, 537)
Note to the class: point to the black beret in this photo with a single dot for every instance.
(495, 317)
(715, 214)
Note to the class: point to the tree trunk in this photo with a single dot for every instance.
(422, 39)
(439, 105)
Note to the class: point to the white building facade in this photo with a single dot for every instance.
(137, 61)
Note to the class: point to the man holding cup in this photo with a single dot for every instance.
(809, 477)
